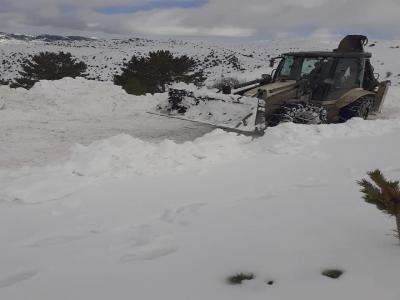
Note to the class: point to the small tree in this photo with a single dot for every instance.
(49, 66)
(382, 193)
(3, 82)
(151, 74)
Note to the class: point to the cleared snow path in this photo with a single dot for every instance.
(39, 126)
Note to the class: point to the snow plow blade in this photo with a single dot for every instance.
(245, 115)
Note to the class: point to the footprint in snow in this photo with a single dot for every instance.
(181, 214)
(257, 198)
(310, 185)
(140, 242)
(168, 216)
(54, 240)
(159, 247)
(17, 278)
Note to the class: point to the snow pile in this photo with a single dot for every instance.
(125, 155)
(391, 108)
(79, 103)
(297, 135)
(210, 107)
(54, 115)
(120, 157)
(77, 98)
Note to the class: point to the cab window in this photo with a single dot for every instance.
(287, 67)
(309, 64)
(347, 74)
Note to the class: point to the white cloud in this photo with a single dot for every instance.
(229, 18)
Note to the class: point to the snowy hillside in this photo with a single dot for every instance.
(244, 61)
(101, 200)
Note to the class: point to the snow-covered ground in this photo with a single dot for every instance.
(54, 115)
(104, 58)
(100, 200)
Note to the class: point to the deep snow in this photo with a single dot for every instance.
(284, 209)
(54, 115)
(129, 214)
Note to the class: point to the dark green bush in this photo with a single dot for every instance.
(3, 82)
(332, 273)
(239, 278)
(49, 66)
(153, 73)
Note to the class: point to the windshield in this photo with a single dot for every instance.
(295, 67)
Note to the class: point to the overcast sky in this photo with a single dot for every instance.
(237, 19)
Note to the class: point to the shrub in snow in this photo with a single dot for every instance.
(225, 82)
(3, 82)
(239, 278)
(153, 73)
(234, 62)
(332, 273)
(49, 66)
(382, 193)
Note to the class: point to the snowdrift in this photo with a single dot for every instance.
(54, 115)
(74, 98)
(123, 156)
(209, 107)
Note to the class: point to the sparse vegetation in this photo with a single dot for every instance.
(49, 66)
(224, 82)
(384, 194)
(235, 63)
(3, 82)
(332, 273)
(153, 73)
(240, 277)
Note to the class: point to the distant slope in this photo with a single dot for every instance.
(244, 61)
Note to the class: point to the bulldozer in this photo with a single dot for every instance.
(315, 87)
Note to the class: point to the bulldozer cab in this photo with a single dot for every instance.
(329, 75)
